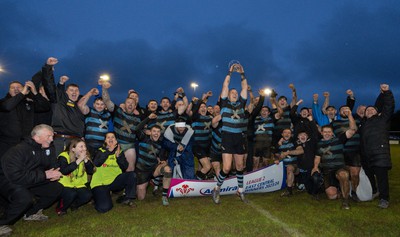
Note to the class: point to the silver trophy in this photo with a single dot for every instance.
(236, 65)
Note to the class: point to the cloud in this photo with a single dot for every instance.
(356, 48)
(21, 50)
(200, 56)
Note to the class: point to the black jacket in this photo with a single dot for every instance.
(25, 164)
(17, 115)
(374, 133)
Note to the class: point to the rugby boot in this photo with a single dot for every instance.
(215, 196)
(242, 197)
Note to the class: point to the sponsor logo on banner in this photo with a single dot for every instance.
(268, 179)
(184, 190)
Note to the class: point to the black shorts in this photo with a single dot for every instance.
(330, 177)
(215, 157)
(262, 148)
(201, 152)
(143, 176)
(234, 143)
(352, 159)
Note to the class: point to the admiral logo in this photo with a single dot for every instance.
(208, 191)
(184, 190)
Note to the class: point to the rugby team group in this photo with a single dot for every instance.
(54, 148)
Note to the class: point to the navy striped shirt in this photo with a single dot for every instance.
(234, 119)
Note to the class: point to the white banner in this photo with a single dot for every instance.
(268, 179)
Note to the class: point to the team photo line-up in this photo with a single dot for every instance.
(55, 148)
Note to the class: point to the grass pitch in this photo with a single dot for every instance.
(266, 215)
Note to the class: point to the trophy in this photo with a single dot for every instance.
(236, 65)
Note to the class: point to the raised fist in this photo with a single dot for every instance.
(51, 61)
(326, 94)
(291, 86)
(106, 85)
(63, 79)
(384, 87)
(349, 92)
(94, 91)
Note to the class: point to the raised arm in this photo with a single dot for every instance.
(244, 84)
(385, 102)
(294, 95)
(352, 124)
(326, 102)
(225, 86)
(351, 100)
(106, 96)
(82, 103)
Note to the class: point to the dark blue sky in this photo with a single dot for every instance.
(156, 46)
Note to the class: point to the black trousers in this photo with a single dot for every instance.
(382, 179)
(27, 201)
(101, 194)
(75, 196)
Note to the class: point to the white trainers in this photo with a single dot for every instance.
(5, 230)
(38, 216)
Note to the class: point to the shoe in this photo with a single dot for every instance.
(345, 204)
(384, 204)
(215, 196)
(286, 194)
(165, 201)
(38, 216)
(354, 197)
(121, 198)
(155, 191)
(301, 187)
(5, 230)
(242, 197)
(375, 195)
(129, 202)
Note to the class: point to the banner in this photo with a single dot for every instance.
(268, 179)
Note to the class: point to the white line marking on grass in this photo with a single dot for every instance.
(286, 227)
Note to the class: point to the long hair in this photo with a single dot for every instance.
(72, 144)
(72, 157)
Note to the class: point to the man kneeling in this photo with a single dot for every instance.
(150, 162)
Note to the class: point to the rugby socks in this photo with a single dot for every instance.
(165, 192)
(220, 179)
(239, 176)
(157, 180)
(200, 175)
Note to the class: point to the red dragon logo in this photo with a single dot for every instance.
(185, 189)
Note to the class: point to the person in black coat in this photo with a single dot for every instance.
(29, 170)
(17, 111)
(374, 133)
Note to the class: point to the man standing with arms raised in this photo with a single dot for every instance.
(234, 123)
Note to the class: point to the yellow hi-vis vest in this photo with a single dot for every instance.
(75, 179)
(107, 172)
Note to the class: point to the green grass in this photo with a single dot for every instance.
(266, 215)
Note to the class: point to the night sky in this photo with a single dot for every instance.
(156, 46)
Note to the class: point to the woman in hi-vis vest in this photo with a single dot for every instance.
(75, 165)
(111, 175)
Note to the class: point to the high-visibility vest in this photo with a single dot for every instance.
(107, 172)
(77, 178)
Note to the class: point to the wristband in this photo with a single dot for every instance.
(229, 73)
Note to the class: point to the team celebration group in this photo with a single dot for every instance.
(56, 148)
